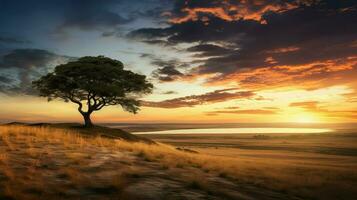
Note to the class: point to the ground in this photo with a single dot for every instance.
(48, 163)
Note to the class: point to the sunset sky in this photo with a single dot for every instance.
(209, 60)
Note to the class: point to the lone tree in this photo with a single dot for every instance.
(93, 83)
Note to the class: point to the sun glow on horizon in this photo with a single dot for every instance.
(305, 118)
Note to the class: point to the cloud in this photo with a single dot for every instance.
(13, 40)
(315, 107)
(232, 107)
(4, 79)
(167, 70)
(243, 112)
(238, 111)
(91, 15)
(351, 97)
(113, 18)
(167, 74)
(26, 58)
(43, 18)
(312, 105)
(165, 63)
(310, 76)
(169, 92)
(154, 9)
(206, 50)
(207, 98)
(25, 65)
(228, 10)
(268, 44)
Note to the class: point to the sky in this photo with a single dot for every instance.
(211, 61)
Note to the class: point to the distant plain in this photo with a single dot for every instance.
(317, 165)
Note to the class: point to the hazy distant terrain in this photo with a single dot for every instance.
(146, 127)
(320, 166)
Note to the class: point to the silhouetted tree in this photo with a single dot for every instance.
(93, 83)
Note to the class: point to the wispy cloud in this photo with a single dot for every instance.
(244, 112)
(207, 98)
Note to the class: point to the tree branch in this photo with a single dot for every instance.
(78, 102)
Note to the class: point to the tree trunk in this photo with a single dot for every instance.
(87, 120)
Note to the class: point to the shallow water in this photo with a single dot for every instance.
(240, 130)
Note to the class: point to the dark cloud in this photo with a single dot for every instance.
(169, 92)
(167, 74)
(27, 58)
(149, 11)
(91, 15)
(295, 34)
(4, 79)
(172, 62)
(12, 40)
(206, 50)
(207, 98)
(167, 70)
(156, 11)
(60, 17)
(25, 65)
(163, 43)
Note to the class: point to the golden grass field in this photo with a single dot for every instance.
(50, 163)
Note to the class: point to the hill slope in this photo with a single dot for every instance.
(47, 163)
(43, 162)
(93, 131)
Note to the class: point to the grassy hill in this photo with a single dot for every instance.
(93, 131)
(57, 162)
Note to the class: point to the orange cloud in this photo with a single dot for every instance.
(351, 97)
(312, 105)
(309, 76)
(232, 11)
(192, 15)
(284, 50)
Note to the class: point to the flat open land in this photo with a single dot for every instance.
(49, 163)
(315, 166)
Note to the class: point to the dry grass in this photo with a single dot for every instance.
(3, 157)
(322, 182)
(280, 175)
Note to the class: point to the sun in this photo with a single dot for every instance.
(305, 118)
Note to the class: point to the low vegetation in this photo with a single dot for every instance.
(43, 162)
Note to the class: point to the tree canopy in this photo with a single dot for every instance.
(93, 83)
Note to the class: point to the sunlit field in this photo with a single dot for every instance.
(49, 163)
